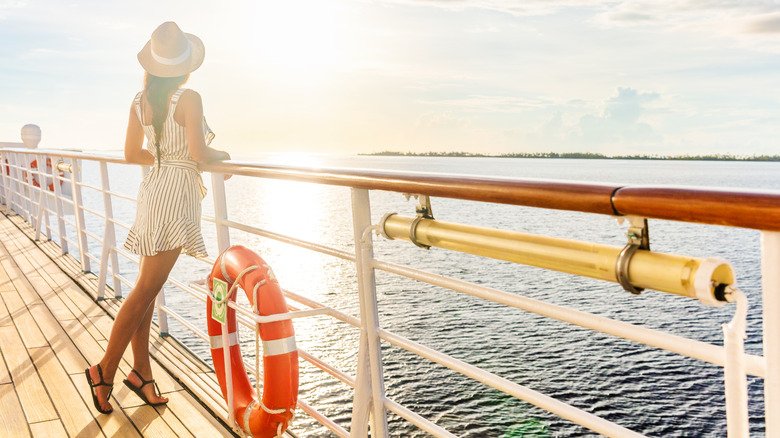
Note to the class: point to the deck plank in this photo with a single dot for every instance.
(29, 331)
(149, 421)
(12, 421)
(5, 317)
(70, 356)
(49, 291)
(115, 424)
(5, 376)
(193, 415)
(75, 416)
(48, 429)
(33, 396)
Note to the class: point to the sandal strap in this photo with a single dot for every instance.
(102, 381)
(146, 382)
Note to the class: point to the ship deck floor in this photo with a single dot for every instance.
(51, 328)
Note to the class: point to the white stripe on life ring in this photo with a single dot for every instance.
(279, 346)
(224, 269)
(216, 341)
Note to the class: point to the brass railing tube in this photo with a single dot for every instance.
(649, 270)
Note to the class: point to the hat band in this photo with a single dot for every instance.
(172, 61)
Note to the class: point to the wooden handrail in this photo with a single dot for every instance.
(758, 210)
(745, 209)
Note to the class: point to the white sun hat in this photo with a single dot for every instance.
(171, 52)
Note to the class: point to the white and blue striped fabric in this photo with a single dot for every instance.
(168, 211)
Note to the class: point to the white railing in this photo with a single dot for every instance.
(370, 402)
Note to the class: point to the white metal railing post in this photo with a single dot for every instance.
(78, 213)
(361, 400)
(162, 317)
(59, 208)
(13, 184)
(20, 187)
(223, 243)
(42, 219)
(50, 172)
(369, 312)
(31, 213)
(109, 241)
(4, 181)
(220, 211)
(770, 285)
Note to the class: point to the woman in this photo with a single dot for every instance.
(167, 221)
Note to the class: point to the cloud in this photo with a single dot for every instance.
(621, 126)
(514, 7)
(766, 24)
(749, 16)
(445, 119)
(621, 120)
(491, 104)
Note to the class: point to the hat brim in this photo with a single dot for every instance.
(197, 54)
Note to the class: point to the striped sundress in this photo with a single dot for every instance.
(168, 211)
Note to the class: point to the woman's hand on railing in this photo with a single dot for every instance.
(226, 157)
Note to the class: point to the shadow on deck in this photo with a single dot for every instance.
(51, 327)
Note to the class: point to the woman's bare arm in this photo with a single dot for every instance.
(192, 105)
(134, 141)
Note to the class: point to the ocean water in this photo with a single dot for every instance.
(647, 390)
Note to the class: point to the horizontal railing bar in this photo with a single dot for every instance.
(196, 331)
(262, 319)
(732, 207)
(713, 354)
(554, 406)
(94, 212)
(74, 244)
(757, 210)
(61, 153)
(419, 421)
(93, 258)
(199, 293)
(325, 421)
(68, 221)
(562, 195)
(128, 255)
(92, 235)
(341, 316)
(90, 186)
(116, 222)
(119, 195)
(125, 281)
(324, 366)
(291, 240)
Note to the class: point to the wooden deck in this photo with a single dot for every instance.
(51, 329)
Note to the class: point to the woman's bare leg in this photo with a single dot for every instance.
(141, 361)
(152, 275)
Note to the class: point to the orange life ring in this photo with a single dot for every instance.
(271, 416)
(34, 165)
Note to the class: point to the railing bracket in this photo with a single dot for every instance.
(638, 238)
(424, 211)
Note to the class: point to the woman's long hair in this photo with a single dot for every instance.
(157, 90)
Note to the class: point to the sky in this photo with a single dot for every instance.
(352, 76)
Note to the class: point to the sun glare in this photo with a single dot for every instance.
(300, 35)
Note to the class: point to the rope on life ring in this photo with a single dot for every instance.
(270, 415)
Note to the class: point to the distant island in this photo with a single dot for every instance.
(583, 155)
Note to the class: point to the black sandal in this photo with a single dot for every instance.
(139, 393)
(92, 387)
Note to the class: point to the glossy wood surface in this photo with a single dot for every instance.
(738, 208)
(758, 210)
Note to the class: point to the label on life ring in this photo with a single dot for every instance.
(219, 311)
